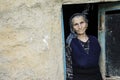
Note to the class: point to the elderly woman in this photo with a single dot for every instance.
(82, 51)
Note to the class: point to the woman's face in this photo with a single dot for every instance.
(79, 25)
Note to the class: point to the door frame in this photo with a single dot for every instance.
(102, 31)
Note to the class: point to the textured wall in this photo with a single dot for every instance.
(31, 39)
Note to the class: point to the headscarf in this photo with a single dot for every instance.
(72, 32)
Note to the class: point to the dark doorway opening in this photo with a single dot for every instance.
(69, 10)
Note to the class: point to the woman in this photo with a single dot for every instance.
(82, 52)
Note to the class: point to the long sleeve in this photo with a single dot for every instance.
(69, 71)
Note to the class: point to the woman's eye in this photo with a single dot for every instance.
(75, 24)
(81, 22)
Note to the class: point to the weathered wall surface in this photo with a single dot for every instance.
(31, 39)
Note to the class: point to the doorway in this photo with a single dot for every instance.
(103, 23)
(69, 10)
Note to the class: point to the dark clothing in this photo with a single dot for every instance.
(87, 74)
(84, 65)
(79, 56)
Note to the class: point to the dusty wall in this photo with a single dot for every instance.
(31, 46)
(30, 40)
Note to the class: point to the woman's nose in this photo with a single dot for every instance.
(79, 25)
